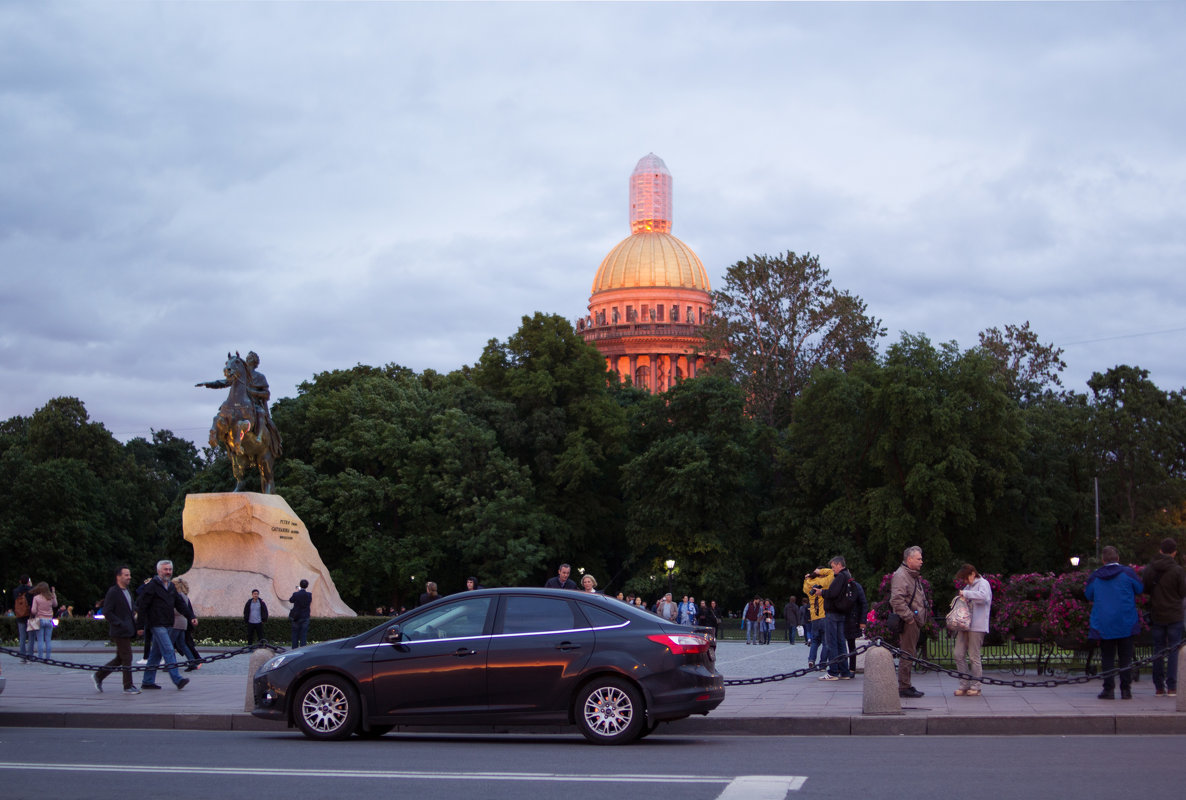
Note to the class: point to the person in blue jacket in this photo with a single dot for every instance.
(1112, 590)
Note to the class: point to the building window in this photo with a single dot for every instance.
(660, 310)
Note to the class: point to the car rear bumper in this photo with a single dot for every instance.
(683, 692)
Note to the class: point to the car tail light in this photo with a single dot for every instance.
(681, 644)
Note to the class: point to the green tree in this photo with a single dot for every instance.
(548, 398)
(1027, 366)
(777, 319)
(74, 503)
(694, 490)
(1139, 443)
(916, 449)
(399, 484)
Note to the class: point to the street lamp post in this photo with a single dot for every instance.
(670, 564)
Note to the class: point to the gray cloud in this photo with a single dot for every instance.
(330, 184)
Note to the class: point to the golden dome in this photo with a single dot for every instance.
(651, 259)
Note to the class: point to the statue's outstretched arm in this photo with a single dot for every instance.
(220, 384)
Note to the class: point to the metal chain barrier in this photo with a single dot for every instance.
(1017, 684)
(799, 673)
(142, 667)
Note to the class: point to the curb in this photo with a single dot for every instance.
(930, 725)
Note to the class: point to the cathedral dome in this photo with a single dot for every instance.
(651, 259)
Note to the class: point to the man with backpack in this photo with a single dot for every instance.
(22, 597)
(838, 602)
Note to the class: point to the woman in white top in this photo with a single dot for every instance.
(978, 595)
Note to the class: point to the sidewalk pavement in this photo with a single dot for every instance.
(39, 695)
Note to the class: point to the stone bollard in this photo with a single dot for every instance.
(1181, 704)
(258, 659)
(880, 695)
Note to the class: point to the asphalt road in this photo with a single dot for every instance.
(117, 764)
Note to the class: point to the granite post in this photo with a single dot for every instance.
(880, 695)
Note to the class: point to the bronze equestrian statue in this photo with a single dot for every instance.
(243, 425)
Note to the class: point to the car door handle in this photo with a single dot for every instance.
(566, 646)
(461, 652)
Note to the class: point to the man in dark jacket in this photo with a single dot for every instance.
(302, 602)
(854, 623)
(120, 612)
(255, 614)
(836, 608)
(1165, 583)
(790, 613)
(561, 580)
(154, 608)
(22, 600)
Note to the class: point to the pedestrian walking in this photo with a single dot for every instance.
(154, 609)
(120, 612)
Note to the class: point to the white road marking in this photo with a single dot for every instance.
(762, 787)
(758, 783)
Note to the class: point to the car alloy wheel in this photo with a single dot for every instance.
(609, 711)
(327, 708)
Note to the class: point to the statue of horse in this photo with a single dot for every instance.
(237, 427)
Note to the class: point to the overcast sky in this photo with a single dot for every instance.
(339, 183)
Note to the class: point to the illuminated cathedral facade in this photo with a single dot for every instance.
(651, 293)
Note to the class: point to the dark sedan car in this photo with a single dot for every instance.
(499, 656)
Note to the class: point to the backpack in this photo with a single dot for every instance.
(20, 606)
(848, 599)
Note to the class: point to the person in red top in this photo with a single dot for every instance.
(753, 619)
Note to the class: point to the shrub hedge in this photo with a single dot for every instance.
(219, 629)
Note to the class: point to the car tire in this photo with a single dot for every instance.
(610, 711)
(326, 707)
(375, 731)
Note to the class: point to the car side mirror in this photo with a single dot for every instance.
(394, 635)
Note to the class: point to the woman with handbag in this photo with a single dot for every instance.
(41, 617)
(977, 594)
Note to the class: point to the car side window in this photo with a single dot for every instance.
(449, 620)
(539, 615)
(601, 618)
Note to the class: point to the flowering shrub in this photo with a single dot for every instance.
(1067, 612)
(1022, 601)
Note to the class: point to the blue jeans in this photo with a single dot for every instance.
(790, 633)
(1164, 636)
(836, 645)
(42, 637)
(816, 626)
(22, 634)
(300, 630)
(180, 645)
(162, 647)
